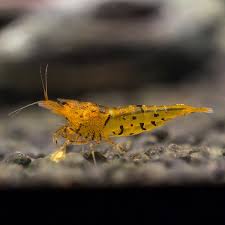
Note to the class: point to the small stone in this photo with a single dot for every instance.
(18, 158)
(155, 151)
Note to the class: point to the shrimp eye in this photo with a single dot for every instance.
(62, 101)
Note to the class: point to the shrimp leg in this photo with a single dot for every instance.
(58, 133)
(60, 154)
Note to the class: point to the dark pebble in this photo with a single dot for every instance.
(155, 150)
(18, 158)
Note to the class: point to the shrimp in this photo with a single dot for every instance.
(90, 123)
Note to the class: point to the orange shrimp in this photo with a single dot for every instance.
(89, 122)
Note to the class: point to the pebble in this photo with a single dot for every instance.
(18, 158)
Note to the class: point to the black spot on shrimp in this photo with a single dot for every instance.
(142, 126)
(121, 130)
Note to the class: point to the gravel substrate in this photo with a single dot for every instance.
(188, 150)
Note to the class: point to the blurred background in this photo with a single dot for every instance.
(113, 51)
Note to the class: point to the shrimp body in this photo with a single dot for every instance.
(88, 122)
(92, 123)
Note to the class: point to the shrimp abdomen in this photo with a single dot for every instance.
(135, 119)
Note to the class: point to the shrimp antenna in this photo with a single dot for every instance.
(44, 81)
(24, 107)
